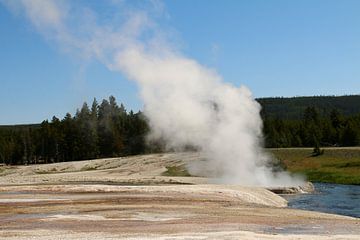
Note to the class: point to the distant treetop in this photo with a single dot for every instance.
(294, 107)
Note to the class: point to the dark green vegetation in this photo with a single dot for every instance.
(105, 130)
(108, 130)
(311, 121)
(335, 165)
(294, 108)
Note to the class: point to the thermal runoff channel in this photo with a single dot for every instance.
(187, 104)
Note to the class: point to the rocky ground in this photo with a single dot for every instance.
(130, 198)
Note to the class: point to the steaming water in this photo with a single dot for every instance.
(329, 198)
(186, 103)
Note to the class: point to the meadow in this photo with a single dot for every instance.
(336, 165)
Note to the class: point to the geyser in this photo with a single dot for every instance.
(185, 102)
(188, 104)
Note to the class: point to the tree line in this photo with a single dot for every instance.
(313, 130)
(101, 130)
(294, 107)
(109, 130)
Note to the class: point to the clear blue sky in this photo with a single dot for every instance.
(276, 48)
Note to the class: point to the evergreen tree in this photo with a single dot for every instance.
(108, 130)
(350, 136)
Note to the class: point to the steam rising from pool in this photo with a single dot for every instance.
(186, 103)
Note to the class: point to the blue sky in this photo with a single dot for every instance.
(276, 48)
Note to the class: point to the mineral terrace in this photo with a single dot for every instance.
(131, 198)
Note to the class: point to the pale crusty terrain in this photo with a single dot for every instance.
(129, 198)
(142, 169)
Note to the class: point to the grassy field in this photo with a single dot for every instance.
(336, 165)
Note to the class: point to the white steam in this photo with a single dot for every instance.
(186, 103)
(189, 104)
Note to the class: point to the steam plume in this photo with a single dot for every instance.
(186, 103)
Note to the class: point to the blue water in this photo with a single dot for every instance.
(329, 198)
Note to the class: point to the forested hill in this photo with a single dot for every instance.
(109, 130)
(102, 130)
(293, 108)
(20, 126)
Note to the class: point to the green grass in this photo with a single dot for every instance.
(179, 171)
(336, 165)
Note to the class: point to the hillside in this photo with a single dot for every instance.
(19, 126)
(294, 107)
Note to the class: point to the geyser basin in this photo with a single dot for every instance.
(186, 103)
